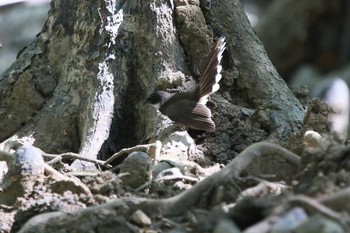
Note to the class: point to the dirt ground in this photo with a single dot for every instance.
(209, 191)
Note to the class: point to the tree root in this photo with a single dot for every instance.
(245, 158)
(199, 195)
(262, 189)
(226, 177)
(165, 178)
(337, 200)
(70, 155)
(153, 149)
(312, 206)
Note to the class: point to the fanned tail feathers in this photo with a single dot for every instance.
(208, 82)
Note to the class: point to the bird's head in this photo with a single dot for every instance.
(158, 98)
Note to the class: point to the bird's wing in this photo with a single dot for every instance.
(191, 114)
(208, 82)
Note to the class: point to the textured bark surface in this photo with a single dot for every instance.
(52, 89)
(260, 86)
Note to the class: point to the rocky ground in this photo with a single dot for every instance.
(172, 186)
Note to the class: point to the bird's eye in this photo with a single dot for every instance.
(153, 98)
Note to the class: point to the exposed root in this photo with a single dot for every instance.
(228, 176)
(337, 200)
(166, 178)
(70, 155)
(263, 189)
(313, 207)
(200, 194)
(153, 149)
(245, 158)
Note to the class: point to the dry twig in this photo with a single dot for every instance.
(146, 148)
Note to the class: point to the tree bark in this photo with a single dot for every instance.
(258, 83)
(82, 84)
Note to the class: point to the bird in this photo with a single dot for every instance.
(189, 108)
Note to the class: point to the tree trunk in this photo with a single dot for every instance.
(259, 84)
(82, 84)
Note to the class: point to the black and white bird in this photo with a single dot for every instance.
(189, 108)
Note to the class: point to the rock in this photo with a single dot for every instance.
(24, 172)
(138, 165)
(140, 218)
(165, 165)
(178, 230)
(320, 224)
(226, 226)
(290, 221)
(174, 171)
(28, 161)
(159, 167)
(178, 146)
